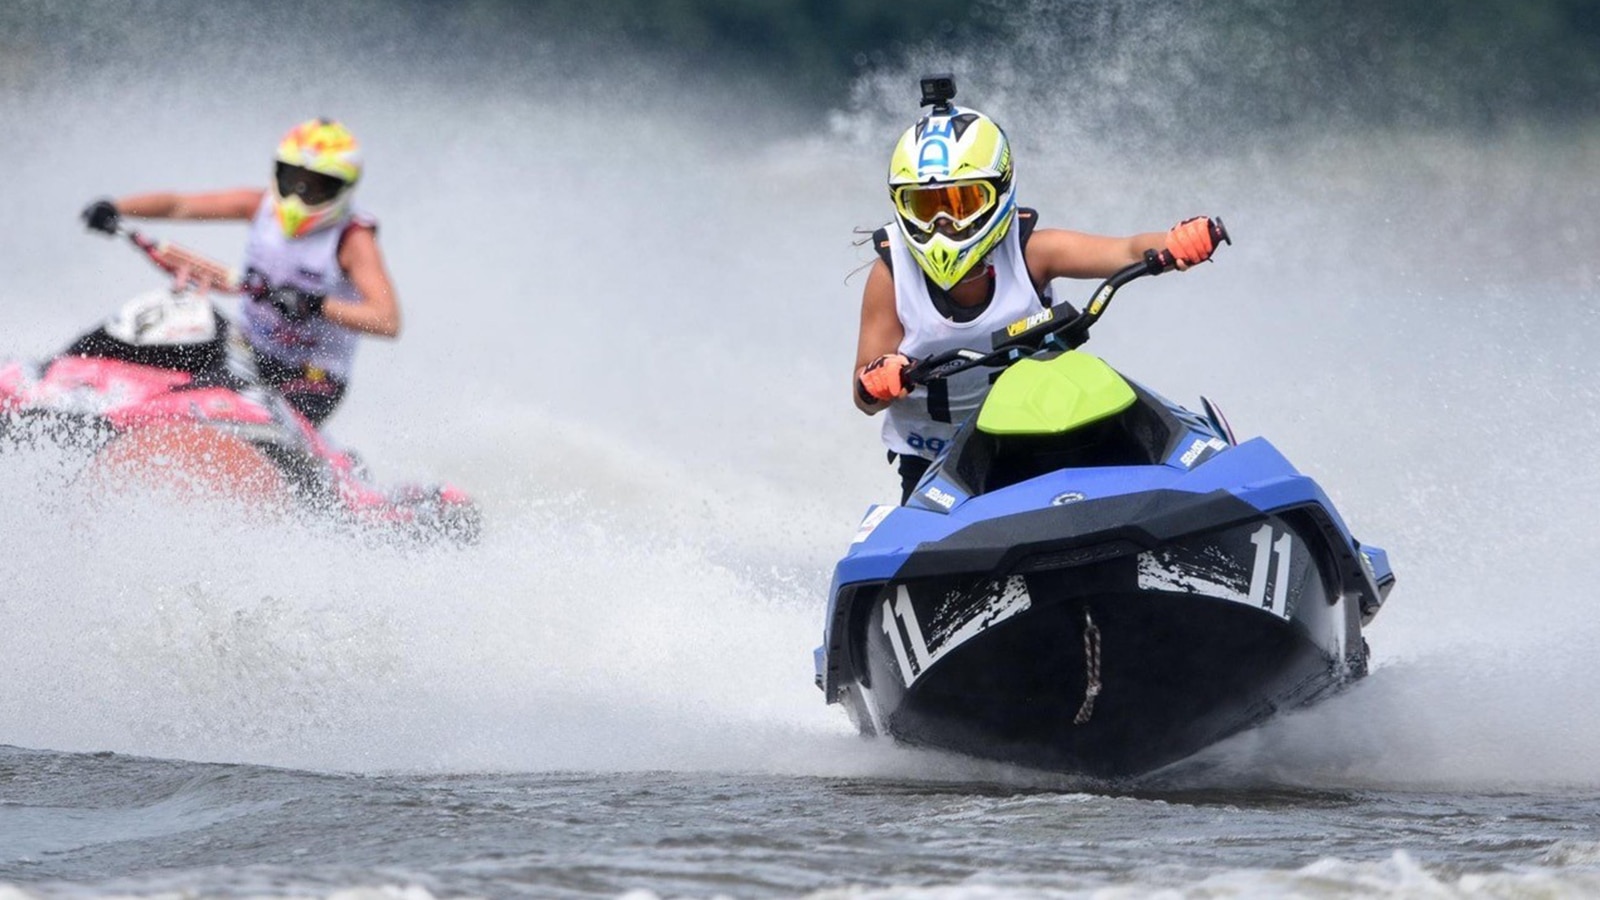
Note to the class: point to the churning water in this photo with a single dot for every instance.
(628, 332)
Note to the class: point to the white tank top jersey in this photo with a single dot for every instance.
(922, 423)
(310, 263)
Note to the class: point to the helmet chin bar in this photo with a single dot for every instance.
(297, 218)
(941, 257)
(979, 269)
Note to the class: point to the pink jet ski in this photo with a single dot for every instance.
(166, 390)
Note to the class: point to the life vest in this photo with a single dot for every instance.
(310, 263)
(923, 422)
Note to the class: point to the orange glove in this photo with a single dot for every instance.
(1191, 241)
(880, 380)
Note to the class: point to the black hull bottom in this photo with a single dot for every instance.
(1176, 674)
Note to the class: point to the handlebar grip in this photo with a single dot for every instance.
(1159, 261)
(1219, 233)
(135, 237)
(911, 376)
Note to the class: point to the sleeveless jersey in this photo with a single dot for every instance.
(922, 423)
(310, 263)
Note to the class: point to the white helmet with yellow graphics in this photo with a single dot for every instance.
(318, 164)
(950, 180)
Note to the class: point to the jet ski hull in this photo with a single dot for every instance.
(1107, 641)
(1173, 674)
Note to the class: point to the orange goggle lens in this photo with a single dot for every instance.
(959, 203)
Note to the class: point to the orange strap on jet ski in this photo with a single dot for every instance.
(1192, 241)
(190, 268)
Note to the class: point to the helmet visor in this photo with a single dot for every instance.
(958, 204)
(314, 188)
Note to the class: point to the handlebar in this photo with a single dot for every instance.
(1046, 330)
(191, 269)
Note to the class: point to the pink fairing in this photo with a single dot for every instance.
(126, 396)
(202, 404)
(120, 385)
(13, 381)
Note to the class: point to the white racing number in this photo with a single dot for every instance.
(990, 605)
(1271, 571)
(913, 645)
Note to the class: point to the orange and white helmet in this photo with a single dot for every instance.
(318, 165)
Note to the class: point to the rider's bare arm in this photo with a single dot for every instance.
(240, 203)
(881, 331)
(378, 312)
(1057, 253)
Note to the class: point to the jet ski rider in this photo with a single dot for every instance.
(312, 265)
(964, 261)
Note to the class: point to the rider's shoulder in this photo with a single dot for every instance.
(880, 246)
(361, 225)
(1050, 238)
(361, 218)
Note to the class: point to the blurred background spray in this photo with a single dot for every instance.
(623, 239)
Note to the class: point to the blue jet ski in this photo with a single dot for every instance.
(1092, 579)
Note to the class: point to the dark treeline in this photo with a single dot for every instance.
(811, 41)
(1472, 63)
(1452, 61)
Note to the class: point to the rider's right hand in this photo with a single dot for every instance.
(880, 381)
(294, 304)
(102, 215)
(254, 285)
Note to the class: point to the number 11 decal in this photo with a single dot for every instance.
(1271, 569)
(913, 646)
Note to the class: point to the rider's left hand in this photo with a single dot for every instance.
(294, 304)
(1191, 241)
(101, 215)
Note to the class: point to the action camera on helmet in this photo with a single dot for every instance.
(938, 91)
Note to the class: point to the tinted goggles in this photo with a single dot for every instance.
(314, 188)
(959, 204)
